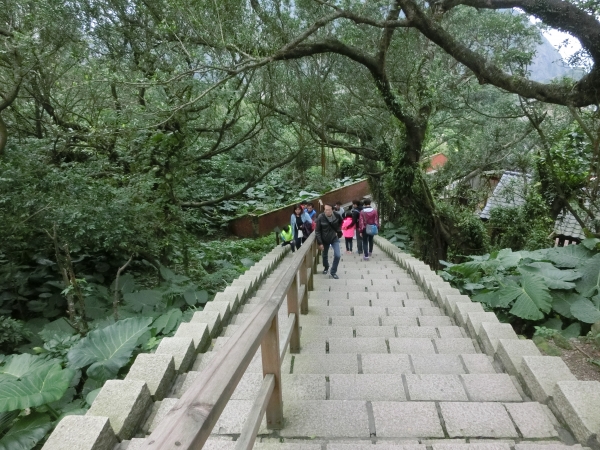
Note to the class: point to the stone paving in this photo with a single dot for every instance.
(382, 365)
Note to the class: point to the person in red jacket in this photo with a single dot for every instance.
(368, 216)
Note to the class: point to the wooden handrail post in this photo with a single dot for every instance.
(305, 281)
(315, 252)
(293, 308)
(271, 362)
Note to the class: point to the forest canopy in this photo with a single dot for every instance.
(129, 126)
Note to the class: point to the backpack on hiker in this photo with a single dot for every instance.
(370, 228)
(307, 228)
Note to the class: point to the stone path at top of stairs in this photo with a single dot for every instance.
(381, 365)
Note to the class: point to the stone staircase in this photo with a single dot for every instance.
(381, 364)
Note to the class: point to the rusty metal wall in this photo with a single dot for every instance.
(252, 225)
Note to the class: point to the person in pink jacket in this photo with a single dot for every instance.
(368, 216)
(348, 229)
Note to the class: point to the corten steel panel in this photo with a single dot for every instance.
(254, 226)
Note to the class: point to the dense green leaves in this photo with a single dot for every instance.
(534, 299)
(108, 349)
(42, 385)
(569, 256)
(587, 310)
(17, 366)
(589, 284)
(26, 433)
(553, 278)
(142, 301)
(532, 284)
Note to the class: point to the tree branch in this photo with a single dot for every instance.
(582, 93)
(247, 186)
(559, 14)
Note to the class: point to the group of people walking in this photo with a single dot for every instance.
(361, 222)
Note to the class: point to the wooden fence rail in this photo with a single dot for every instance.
(189, 424)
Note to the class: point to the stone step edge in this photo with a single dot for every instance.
(547, 379)
(123, 406)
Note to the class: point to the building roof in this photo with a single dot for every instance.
(566, 225)
(509, 193)
(436, 162)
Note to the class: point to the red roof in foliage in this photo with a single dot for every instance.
(436, 162)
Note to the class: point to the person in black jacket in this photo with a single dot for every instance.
(356, 209)
(328, 231)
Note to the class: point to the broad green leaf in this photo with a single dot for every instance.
(168, 321)
(562, 301)
(473, 286)
(17, 366)
(96, 308)
(172, 277)
(553, 277)
(466, 269)
(44, 385)
(590, 243)
(126, 284)
(26, 433)
(108, 349)
(504, 296)
(485, 297)
(89, 399)
(569, 256)
(536, 255)
(586, 310)
(507, 258)
(589, 284)
(553, 323)
(6, 419)
(194, 297)
(136, 301)
(572, 331)
(247, 262)
(59, 325)
(534, 299)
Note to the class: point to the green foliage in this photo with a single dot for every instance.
(534, 285)
(12, 333)
(396, 234)
(44, 384)
(26, 432)
(523, 227)
(106, 350)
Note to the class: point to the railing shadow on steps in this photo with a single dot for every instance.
(190, 422)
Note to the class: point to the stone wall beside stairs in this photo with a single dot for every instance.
(546, 379)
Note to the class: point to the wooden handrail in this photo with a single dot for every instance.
(248, 434)
(189, 423)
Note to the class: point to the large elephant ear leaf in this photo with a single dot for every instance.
(507, 258)
(534, 299)
(562, 301)
(589, 284)
(586, 310)
(570, 256)
(17, 366)
(26, 433)
(553, 277)
(108, 349)
(46, 384)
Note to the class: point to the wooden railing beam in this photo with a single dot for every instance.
(189, 423)
(294, 308)
(272, 366)
(252, 424)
